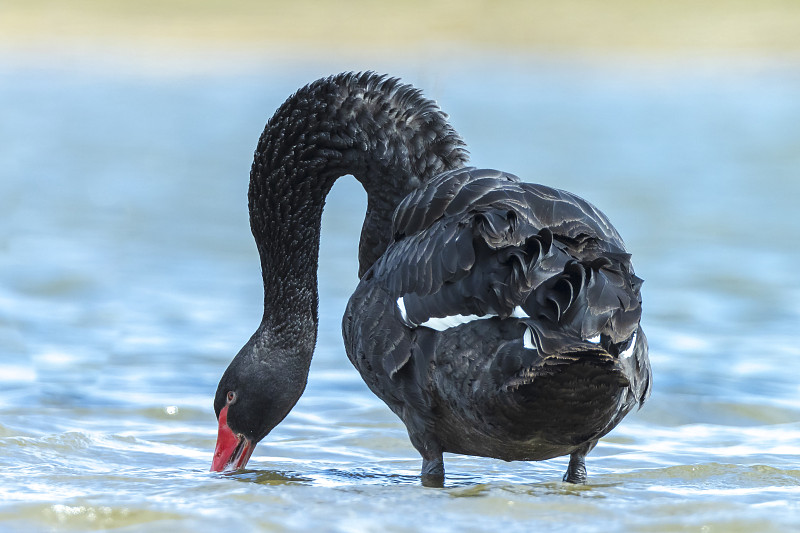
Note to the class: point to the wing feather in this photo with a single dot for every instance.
(481, 242)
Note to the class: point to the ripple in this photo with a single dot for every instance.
(92, 517)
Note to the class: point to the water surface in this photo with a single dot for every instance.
(128, 279)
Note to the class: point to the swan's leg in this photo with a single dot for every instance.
(432, 473)
(433, 467)
(576, 471)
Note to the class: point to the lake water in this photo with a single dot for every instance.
(128, 280)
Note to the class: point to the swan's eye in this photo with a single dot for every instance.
(231, 396)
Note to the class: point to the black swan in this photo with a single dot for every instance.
(496, 318)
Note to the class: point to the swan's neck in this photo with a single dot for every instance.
(384, 134)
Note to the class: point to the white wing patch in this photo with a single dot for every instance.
(518, 312)
(447, 322)
(594, 340)
(629, 350)
(527, 339)
(401, 305)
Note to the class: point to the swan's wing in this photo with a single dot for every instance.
(476, 243)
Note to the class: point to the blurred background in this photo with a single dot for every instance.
(129, 279)
(153, 30)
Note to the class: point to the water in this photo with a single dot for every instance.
(129, 280)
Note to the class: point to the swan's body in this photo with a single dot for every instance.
(494, 317)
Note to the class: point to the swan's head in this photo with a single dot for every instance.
(234, 447)
(256, 392)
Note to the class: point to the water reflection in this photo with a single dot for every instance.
(269, 477)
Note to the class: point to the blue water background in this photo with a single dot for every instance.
(128, 279)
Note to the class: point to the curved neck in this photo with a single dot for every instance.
(385, 134)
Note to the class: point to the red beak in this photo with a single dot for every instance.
(232, 451)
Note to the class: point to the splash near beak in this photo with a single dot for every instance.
(232, 451)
